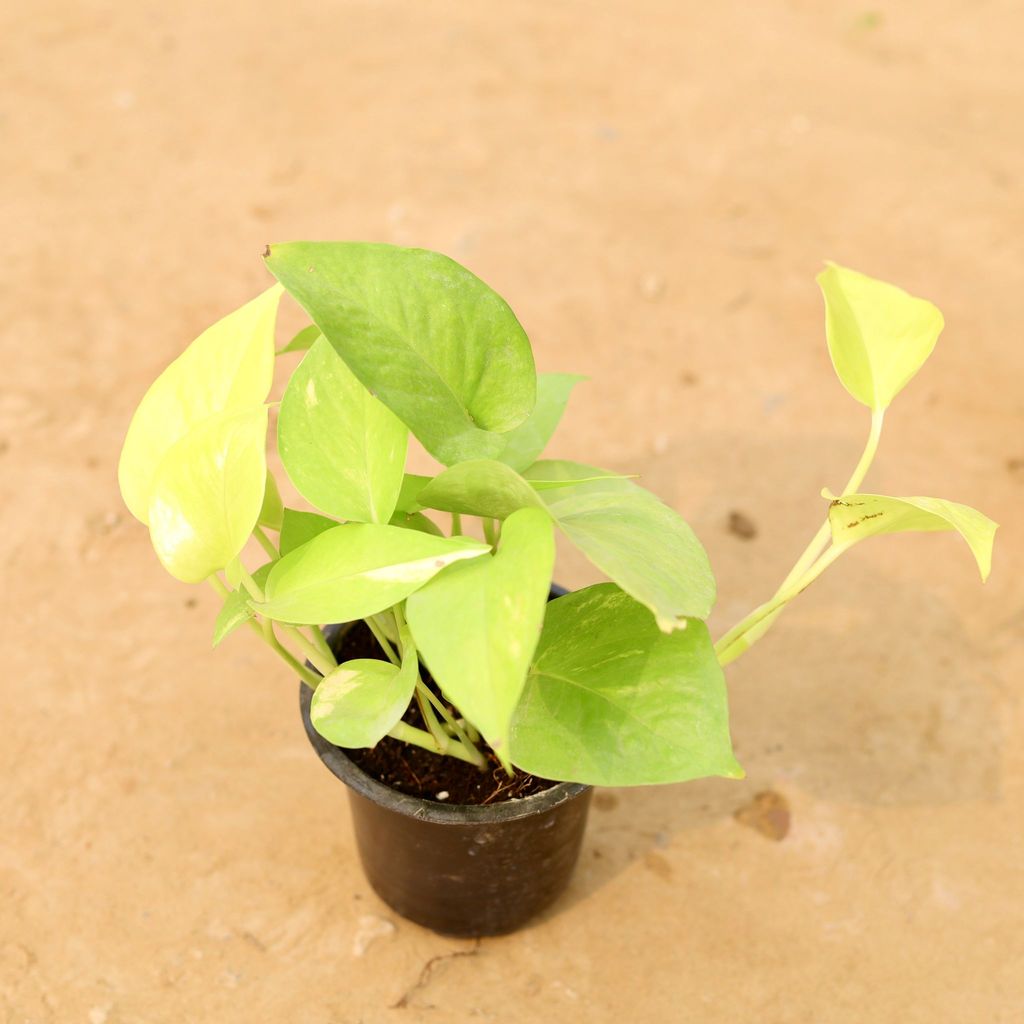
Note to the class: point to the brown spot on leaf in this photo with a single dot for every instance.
(768, 813)
(741, 525)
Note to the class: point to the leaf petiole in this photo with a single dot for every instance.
(758, 622)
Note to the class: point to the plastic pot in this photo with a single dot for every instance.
(464, 870)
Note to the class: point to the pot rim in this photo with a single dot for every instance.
(365, 785)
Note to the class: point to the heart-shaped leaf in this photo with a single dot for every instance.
(477, 624)
(640, 543)
(855, 517)
(299, 527)
(207, 494)
(228, 367)
(524, 444)
(356, 570)
(434, 343)
(480, 487)
(878, 335)
(361, 701)
(343, 449)
(611, 701)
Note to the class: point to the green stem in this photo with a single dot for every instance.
(736, 642)
(385, 644)
(323, 664)
(456, 524)
(321, 643)
(442, 738)
(490, 531)
(251, 586)
(821, 538)
(461, 733)
(418, 737)
(266, 633)
(265, 542)
(758, 624)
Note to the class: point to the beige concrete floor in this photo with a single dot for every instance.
(652, 185)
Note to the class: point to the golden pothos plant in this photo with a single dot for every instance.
(617, 684)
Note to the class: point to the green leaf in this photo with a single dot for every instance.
(416, 521)
(480, 487)
(477, 624)
(434, 343)
(611, 701)
(343, 450)
(272, 512)
(236, 610)
(298, 527)
(878, 335)
(408, 496)
(524, 444)
(228, 367)
(554, 485)
(207, 494)
(855, 517)
(302, 341)
(361, 701)
(357, 570)
(641, 544)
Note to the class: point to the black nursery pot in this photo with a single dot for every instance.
(466, 870)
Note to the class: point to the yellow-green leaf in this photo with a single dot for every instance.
(612, 701)
(857, 516)
(435, 344)
(228, 367)
(878, 335)
(356, 570)
(479, 487)
(342, 448)
(477, 624)
(359, 703)
(207, 494)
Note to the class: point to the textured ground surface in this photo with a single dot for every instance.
(653, 186)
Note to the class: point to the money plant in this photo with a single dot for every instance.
(615, 684)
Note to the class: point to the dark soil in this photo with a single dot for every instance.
(418, 772)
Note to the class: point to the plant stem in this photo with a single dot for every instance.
(323, 664)
(456, 524)
(442, 738)
(266, 633)
(385, 644)
(490, 531)
(418, 737)
(251, 586)
(736, 641)
(757, 627)
(853, 484)
(265, 542)
(461, 733)
(321, 643)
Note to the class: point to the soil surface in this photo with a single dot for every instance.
(652, 186)
(418, 772)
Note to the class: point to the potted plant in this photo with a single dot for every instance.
(468, 705)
